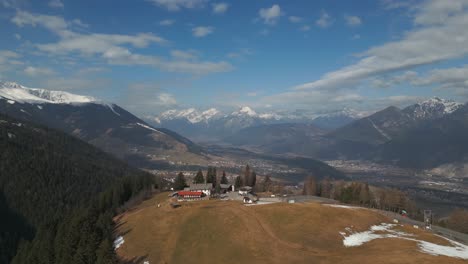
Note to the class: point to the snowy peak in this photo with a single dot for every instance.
(245, 110)
(432, 108)
(17, 93)
(191, 114)
(345, 112)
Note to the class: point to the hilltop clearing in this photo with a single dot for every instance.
(230, 232)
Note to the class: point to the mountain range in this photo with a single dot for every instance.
(423, 135)
(215, 125)
(105, 125)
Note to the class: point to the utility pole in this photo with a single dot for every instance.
(428, 219)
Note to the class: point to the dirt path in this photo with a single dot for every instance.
(273, 237)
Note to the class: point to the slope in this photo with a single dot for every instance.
(46, 175)
(278, 233)
(107, 126)
(431, 143)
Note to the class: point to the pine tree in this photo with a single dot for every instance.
(238, 182)
(180, 183)
(267, 184)
(224, 179)
(253, 179)
(211, 176)
(247, 175)
(199, 177)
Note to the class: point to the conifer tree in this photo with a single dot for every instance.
(238, 182)
(180, 183)
(253, 179)
(224, 179)
(247, 175)
(199, 177)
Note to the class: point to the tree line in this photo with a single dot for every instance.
(58, 196)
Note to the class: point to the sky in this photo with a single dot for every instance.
(154, 55)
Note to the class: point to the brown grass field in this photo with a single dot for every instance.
(229, 232)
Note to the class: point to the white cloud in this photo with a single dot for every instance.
(112, 48)
(176, 5)
(200, 32)
(9, 60)
(37, 71)
(79, 23)
(427, 43)
(167, 22)
(270, 15)
(353, 21)
(184, 55)
(56, 4)
(356, 36)
(220, 8)
(166, 99)
(240, 54)
(295, 19)
(304, 28)
(324, 21)
(421, 46)
(17, 36)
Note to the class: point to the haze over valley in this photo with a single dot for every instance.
(180, 131)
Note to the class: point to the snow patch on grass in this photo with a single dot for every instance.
(118, 242)
(343, 206)
(385, 230)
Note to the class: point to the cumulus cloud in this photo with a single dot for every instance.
(353, 21)
(167, 22)
(270, 15)
(420, 46)
(184, 55)
(147, 96)
(439, 35)
(200, 32)
(295, 19)
(56, 4)
(220, 8)
(114, 48)
(324, 20)
(9, 60)
(176, 5)
(38, 71)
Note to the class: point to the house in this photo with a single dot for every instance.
(206, 188)
(224, 188)
(189, 195)
(247, 200)
(245, 190)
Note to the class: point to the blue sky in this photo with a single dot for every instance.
(153, 55)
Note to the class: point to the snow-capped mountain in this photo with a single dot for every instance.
(18, 93)
(432, 108)
(337, 118)
(214, 124)
(105, 125)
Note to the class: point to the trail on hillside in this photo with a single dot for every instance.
(269, 232)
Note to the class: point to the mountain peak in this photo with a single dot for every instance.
(432, 108)
(19, 93)
(245, 110)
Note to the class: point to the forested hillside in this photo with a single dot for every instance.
(58, 195)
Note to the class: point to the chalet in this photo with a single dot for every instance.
(224, 188)
(189, 195)
(206, 188)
